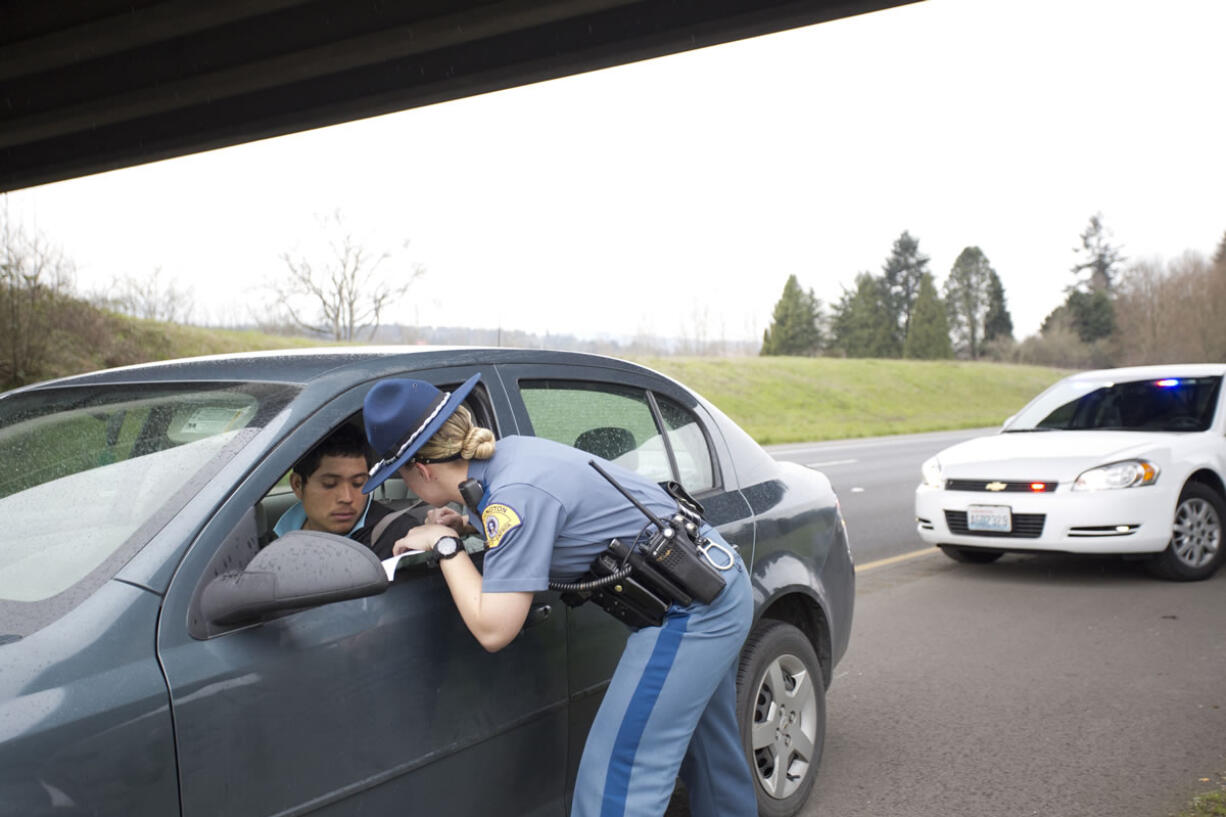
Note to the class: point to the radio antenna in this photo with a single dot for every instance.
(646, 512)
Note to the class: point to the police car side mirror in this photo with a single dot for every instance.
(301, 569)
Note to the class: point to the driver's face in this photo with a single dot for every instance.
(332, 496)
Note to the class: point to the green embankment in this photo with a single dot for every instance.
(87, 339)
(775, 399)
(780, 400)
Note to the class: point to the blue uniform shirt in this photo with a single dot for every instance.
(547, 513)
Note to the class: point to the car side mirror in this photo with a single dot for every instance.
(301, 569)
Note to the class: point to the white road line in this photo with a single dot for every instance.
(857, 490)
(828, 463)
(921, 439)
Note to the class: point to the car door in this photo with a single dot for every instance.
(646, 424)
(378, 705)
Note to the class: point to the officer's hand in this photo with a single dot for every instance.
(449, 517)
(421, 537)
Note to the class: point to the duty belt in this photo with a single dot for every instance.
(637, 582)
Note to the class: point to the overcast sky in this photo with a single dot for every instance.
(585, 205)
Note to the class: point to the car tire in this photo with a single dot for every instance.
(1195, 551)
(971, 555)
(781, 700)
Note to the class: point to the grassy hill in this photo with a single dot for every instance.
(782, 399)
(775, 399)
(85, 339)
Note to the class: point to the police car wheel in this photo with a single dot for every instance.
(781, 700)
(1196, 549)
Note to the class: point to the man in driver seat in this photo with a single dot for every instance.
(328, 483)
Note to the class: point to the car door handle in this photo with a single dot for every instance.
(538, 614)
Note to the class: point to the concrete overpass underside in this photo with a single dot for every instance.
(102, 84)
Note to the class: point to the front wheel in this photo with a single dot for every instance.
(781, 701)
(1195, 551)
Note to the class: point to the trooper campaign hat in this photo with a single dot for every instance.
(401, 415)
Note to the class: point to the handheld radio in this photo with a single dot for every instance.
(677, 549)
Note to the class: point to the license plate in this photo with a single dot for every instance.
(995, 518)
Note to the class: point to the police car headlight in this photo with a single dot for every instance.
(931, 471)
(1127, 474)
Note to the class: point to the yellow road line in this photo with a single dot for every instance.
(895, 559)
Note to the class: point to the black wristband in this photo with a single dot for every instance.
(445, 548)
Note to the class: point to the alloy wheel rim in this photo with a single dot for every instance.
(784, 730)
(1197, 532)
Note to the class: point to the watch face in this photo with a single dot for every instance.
(447, 546)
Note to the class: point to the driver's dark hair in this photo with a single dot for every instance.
(346, 441)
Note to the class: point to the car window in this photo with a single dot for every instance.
(1153, 404)
(393, 492)
(617, 423)
(115, 460)
(690, 448)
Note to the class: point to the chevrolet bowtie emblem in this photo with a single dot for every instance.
(996, 486)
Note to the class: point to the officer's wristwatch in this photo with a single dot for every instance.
(445, 548)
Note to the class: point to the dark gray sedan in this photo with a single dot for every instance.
(135, 679)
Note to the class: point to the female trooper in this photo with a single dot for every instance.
(671, 705)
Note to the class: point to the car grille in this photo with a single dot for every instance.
(1025, 525)
(1009, 487)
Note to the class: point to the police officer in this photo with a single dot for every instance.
(671, 705)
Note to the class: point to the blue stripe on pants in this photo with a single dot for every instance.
(690, 696)
(626, 745)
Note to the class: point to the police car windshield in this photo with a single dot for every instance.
(1170, 404)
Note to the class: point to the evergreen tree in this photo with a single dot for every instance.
(1091, 313)
(902, 272)
(928, 337)
(1098, 257)
(967, 298)
(1057, 319)
(998, 323)
(1219, 256)
(794, 328)
(863, 324)
(1089, 309)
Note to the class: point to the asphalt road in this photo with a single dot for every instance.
(1038, 685)
(875, 479)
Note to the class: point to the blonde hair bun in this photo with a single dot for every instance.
(460, 435)
(478, 444)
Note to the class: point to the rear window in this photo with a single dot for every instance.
(642, 432)
(91, 473)
(1157, 404)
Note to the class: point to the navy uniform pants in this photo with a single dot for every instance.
(671, 708)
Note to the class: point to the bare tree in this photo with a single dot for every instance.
(34, 276)
(344, 290)
(151, 297)
(1172, 314)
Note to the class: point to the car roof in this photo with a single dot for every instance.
(1147, 372)
(302, 366)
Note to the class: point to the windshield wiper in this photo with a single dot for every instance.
(1029, 430)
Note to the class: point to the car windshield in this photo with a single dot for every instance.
(1157, 404)
(91, 473)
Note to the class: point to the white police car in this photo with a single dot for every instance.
(1126, 461)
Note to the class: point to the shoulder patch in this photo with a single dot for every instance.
(498, 520)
